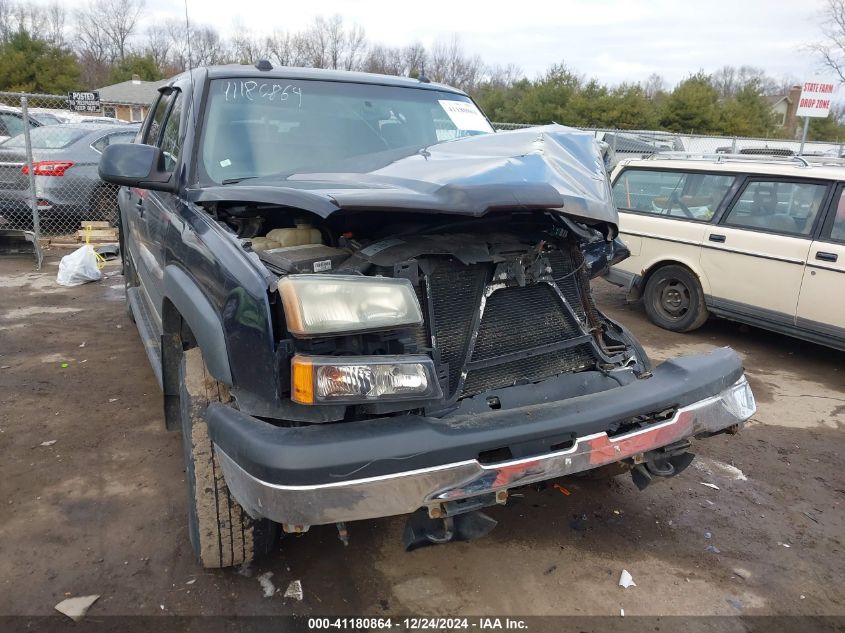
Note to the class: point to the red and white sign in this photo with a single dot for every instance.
(816, 97)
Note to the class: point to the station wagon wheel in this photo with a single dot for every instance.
(674, 300)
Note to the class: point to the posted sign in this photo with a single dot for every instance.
(83, 101)
(815, 98)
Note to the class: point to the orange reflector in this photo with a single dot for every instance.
(302, 380)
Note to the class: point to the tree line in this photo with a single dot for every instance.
(49, 48)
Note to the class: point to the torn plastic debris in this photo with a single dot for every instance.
(294, 590)
(626, 580)
(79, 267)
(76, 608)
(267, 586)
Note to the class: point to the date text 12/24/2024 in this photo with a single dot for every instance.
(417, 624)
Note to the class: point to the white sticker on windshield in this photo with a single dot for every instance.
(465, 115)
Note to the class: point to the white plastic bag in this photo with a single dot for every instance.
(79, 267)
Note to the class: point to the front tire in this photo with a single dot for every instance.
(674, 299)
(222, 534)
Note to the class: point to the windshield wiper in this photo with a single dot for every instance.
(233, 181)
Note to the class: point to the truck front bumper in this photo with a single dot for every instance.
(267, 468)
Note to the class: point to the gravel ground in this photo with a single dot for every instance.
(100, 510)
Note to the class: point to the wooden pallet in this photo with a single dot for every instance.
(98, 235)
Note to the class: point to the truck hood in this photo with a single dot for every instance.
(547, 167)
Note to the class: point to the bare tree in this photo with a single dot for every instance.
(287, 49)
(315, 44)
(28, 17)
(104, 28)
(414, 56)
(355, 46)
(504, 76)
(729, 80)
(831, 50)
(384, 60)
(177, 44)
(451, 65)
(207, 47)
(328, 43)
(91, 39)
(654, 85)
(6, 20)
(247, 47)
(55, 23)
(158, 45)
(120, 19)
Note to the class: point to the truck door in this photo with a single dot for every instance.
(140, 238)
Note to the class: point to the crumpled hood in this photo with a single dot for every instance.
(547, 167)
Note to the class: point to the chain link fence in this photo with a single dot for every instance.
(642, 143)
(48, 168)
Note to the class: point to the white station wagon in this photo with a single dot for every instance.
(761, 241)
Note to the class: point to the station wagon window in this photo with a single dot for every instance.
(688, 195)
(789, 208)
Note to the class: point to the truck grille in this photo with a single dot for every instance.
(516, 319)
(456, 292)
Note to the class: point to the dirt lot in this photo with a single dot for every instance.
(102, 509)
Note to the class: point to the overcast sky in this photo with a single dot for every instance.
(612, 40)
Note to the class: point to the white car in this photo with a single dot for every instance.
(757, 240)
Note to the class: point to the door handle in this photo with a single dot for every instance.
(826, 257)
(715, 237)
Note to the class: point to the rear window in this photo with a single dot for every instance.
(789, 208)
(50, 137)
(689, 195)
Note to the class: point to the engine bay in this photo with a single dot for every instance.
(505, 298)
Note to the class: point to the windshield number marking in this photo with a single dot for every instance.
(253, 91)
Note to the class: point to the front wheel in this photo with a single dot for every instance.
(674, 299)
(222, 533)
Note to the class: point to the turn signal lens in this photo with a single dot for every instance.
(317, 379)
(302, 379)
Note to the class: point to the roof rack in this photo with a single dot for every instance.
(804, 161)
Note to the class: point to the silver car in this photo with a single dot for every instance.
(65, 159)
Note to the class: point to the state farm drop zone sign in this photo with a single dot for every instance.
(815, 98)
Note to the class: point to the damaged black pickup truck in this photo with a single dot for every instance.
(360, 301)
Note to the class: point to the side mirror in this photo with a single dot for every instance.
(135, 165)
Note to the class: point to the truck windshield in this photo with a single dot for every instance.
(283, 127)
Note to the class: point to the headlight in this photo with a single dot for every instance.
(322, 305)
(337, 379)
